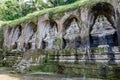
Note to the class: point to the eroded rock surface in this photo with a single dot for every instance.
(84, 28)
(47, 35)
(71, 34)
(102, 31)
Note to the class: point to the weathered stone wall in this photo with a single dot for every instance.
(72, 30)
(86, 27)
(92, 32)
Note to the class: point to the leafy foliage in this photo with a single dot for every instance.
(14, 9)
(55, 11)
(60, 2)
(10, 10)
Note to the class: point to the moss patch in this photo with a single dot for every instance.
(80, 70)
(58, 42)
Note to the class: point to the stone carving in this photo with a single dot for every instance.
(50, 36)
(11, 36)
(26, 35)
(16, 35)
(46, 35)
(32, 41)
(20, 42)
(6, 36)
(40, 33)
(72, 32)
(101, 29)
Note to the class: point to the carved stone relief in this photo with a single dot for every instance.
(6, 37)
(71, 35)
(24, 42)
(15, 37)
(102, 31)
(50, 36)
(32, 41)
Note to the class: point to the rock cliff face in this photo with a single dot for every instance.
(84, 27)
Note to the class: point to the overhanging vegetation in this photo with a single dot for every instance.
(55, 10)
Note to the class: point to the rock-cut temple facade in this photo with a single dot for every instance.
(81, 28)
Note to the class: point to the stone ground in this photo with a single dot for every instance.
(5, 75)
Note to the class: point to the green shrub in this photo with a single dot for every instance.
(60, 2)
(13, 9)
(46, 68)
(115, 74)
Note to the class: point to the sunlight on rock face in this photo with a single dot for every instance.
(28, 32)
(72, 31)
(102, 32)
(33, 41)
(45, 1)
(50, 36)
(47, 34)
(7, 77)
(27, 37)
(6, 36)
(16, 36)
(102, 27)
(71, 35)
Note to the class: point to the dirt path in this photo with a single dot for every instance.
(35, 77)
(39, 77)
(8, 77)
(5, 75)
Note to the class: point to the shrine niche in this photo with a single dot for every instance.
(11, 36)
(102, 26)
(25, 41)
(71, 34)
(15, 36)
(103, 33)
(30, 36)
(7, 37)
(49, 35)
